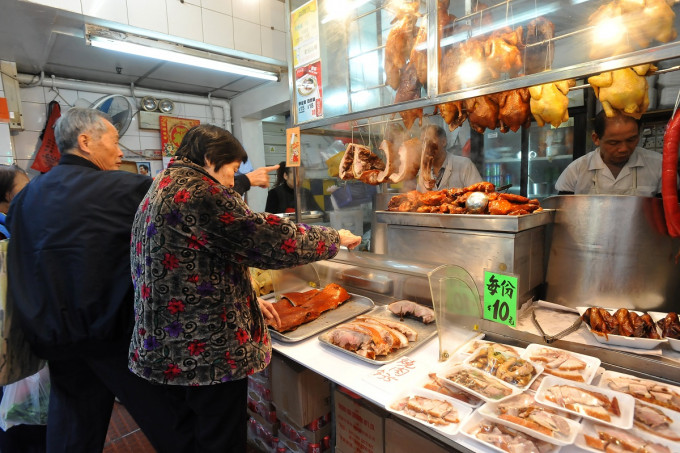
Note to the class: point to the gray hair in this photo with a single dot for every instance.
(75, 122)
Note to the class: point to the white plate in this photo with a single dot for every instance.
(587, 374)
(588, 428)
(611, 375)
(449, 430)
(491, 412)
(457, 368)
(471, 426)
(472, 404)
(626, 402)
(657, 316)
(482, 350)
(472, 345)
(620, 340)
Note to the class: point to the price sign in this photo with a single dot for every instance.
(500, 298)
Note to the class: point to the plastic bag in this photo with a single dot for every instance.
(25, 402)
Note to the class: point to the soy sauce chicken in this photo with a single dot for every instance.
(514, 110)
(670, 326)
(539, 57)
(503, 52)
(399, 44)
(622, 322)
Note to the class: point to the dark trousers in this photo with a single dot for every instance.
(81, 401)
(214, 416)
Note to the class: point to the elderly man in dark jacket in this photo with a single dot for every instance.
(70, 280)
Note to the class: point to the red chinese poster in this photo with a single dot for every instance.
(173, 131)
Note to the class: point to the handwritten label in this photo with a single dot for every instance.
(500, 298)
(398, 375)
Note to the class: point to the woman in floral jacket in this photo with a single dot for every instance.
(199, 327)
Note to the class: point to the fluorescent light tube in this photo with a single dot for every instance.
(178, 57)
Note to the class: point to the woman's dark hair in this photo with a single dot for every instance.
(7, 175)
(600, 122)
(282, 170)
(207, 142)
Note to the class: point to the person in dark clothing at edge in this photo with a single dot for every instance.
(19, 438)
(281, 198)
(69, 279)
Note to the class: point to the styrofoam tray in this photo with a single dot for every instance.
(587, 374)
(673, 425)
(482, 350)
(620, 340)
(626, 402)
(472, 345)
(656, 317)
(471, 426)
(457, 368)
(611, 375)
(448, 430)
(491, 411)
(589, 429)
(472, 404)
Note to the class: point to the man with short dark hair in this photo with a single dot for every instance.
(69, 278)
(617, 166)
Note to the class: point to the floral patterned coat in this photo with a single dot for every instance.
(197, 320)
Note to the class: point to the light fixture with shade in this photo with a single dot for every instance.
(101, 37)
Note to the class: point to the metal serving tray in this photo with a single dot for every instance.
(355, 306)
(425, 332)
(506, 223)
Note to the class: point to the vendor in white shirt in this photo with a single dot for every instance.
(618, 166)
(450, 170)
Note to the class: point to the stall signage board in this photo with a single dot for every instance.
(308, 92)
(500, 298)
(304, 29)
(293, 147)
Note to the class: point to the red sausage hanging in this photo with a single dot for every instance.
(669, 168)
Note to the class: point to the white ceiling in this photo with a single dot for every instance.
(39, 38)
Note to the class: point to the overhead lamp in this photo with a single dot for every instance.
(163, 50)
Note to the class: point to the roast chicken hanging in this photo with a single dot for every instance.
(549, 102)
(623, 90)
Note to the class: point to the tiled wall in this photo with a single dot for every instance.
(253, 26)
(6, 156)
(34, 103)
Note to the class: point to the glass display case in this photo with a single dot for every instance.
(398, 65)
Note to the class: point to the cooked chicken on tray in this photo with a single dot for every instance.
(480, 383)
(525, 411)
(454, 201)
(622, 322)
(297, 308)
(508, 439)
(582, 401)
(560, 363)
(432, 411)
(440, 385)
(643, 389)
(655, 421)
(372, 336)
(610, 439)
(670, 326)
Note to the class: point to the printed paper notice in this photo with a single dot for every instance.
(304, 30)
(293, 147)
(308, 95)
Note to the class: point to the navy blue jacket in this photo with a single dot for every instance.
(68, 260)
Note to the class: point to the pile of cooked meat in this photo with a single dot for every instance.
(622, 322)
(373, 336)
(297, 308)
(453, 201)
